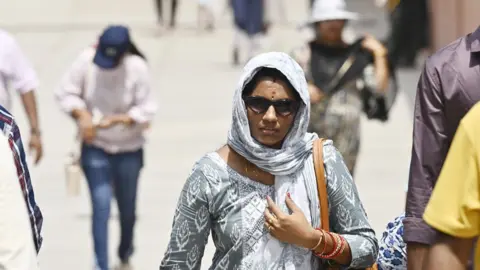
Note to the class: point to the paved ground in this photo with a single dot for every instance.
(194, 84)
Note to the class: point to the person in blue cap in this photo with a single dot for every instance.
(107, 91)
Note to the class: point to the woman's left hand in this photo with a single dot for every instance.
(293, 229)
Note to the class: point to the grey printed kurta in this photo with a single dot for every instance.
(219, 200)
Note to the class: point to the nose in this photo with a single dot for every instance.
(270, 115)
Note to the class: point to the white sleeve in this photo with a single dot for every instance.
(17, 250)
(144, 106)
(69, 94)
(21, 73)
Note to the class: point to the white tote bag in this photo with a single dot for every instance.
(73, 170)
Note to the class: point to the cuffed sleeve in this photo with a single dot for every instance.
(22, 75)
(430, 146)
(144, 107)
(347, 215)
(70, 92)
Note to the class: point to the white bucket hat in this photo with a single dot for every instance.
(325, 10)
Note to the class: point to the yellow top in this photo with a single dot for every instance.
(454, 207)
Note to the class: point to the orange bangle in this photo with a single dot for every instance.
(321, 254)
(320, 240)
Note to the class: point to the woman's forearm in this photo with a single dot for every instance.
(382, 73)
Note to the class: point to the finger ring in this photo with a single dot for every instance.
(270, 220)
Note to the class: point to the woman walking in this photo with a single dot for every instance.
(250, 22)
(257, 194)
(111, 80)
(173, 13)
(336, 100)
(205, 15)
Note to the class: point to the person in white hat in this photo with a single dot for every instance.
(336, 71)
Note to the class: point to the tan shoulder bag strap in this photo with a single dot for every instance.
(321, 183)
(322, 189)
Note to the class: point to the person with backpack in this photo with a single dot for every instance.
(108, 94)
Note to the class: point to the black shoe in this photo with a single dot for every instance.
(210, 27)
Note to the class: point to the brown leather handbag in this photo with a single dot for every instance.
(322, 191)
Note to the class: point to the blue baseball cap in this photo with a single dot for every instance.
(112, 45)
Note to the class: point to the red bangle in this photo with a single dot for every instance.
(344, 245)
(338, 246)
(341, 246)
(322, 254)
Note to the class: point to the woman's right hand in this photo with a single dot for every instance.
(87, 128)
(316, 94)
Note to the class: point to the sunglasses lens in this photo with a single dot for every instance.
(258, 105)
(261, 105)
(285, 107)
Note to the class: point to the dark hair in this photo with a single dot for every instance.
(272, 73)
(135, 51)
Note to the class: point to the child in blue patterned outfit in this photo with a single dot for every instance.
(393, 251)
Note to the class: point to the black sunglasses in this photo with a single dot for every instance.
(283, 107)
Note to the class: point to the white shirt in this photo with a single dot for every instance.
(17, 250)
(15, 70)
(123, 90)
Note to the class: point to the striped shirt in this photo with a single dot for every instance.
(12, 132)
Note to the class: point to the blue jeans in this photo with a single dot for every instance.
(106, 172)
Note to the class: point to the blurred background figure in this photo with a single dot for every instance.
(281, 11)
(250, 24)
(107, 91)
(337, 104)
(161, 16)
(409, 30)
(206, 15)
(17, 72)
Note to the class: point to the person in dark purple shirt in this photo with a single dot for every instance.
(448, 87)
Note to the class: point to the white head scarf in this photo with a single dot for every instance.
(298, 143)
(292, 165)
